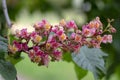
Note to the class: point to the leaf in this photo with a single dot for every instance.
(7, 70)
(13, 59)
(3, 47)
(3, 39)
(91, 59)
(79, 71)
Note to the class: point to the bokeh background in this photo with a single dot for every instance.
(24, 13)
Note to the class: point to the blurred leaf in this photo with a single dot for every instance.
(7, 70)
(12, 38)
(67, 57)
(91, 59)
(3, 47)
(3, 39)
(79, 71)
(14, 60)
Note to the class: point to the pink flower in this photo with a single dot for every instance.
(112, 29)
(33, 34)
(37, 39)
(72, 36)
(107, 38)
(39, 53)
(55, 29)
(62, 22)
(54, 45)
(21, 46)
(95, 43)
(24, 34)
(60, 32)
(40, 25)
(71, 24)
(88, 32)
(45, 60)
(78, 38)
(24, 46)
(57, 55)
(17, 45)
(31, 54)
(96, 23)
(62, 37)
(36, 48)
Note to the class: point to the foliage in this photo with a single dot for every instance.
(7, 70)
(91, 59)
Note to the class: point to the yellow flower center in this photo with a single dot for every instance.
(78, 38)
(37, 39)
(63, 37)
(62, 22)
(47, 26)
(99, 38)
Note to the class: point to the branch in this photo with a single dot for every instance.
(4, 6)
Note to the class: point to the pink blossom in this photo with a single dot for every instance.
(17, 45)
(55, 45)
(57, 55)
(95, 43)
(33, 34)
(78, 38)
(88, 32)
(72, 36)
(36, 48)
(31, 54)
(40, 25)
(60, 32)
(62, 37)
(107, 38)
(24, 46)
(112, 29)
(55, 29)
(24, 33)
(39, 53)
(96, 23)
(75, 47)
(71, 24)
(62, 22)
(45, 60)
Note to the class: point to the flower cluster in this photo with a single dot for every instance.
(50, 41)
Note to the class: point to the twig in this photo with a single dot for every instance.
(4, 6)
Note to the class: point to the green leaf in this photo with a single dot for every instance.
(67, 57)
(79, 71)
(7, 70)
(3, 47)
(14, 60)
(3, 39)
(91, 59)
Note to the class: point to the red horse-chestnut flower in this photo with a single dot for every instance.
(49, 42)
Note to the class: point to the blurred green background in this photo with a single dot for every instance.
(24, 13)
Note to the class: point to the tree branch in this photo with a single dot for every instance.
(4, 6)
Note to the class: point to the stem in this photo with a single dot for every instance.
(4, 6)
